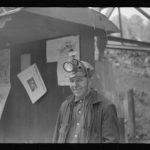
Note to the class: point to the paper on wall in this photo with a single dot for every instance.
(57, 47)
(25, 61)
(4, 91)
(69, 45)
(33, 83)
(4, 78)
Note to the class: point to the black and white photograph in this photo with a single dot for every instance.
(32, 84)
(75, 75)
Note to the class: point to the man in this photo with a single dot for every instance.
(86, 116)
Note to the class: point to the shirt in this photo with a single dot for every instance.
(76, 123)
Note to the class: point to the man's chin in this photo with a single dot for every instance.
(77, 94)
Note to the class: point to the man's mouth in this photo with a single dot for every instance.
(77, 90)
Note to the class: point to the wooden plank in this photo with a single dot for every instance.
(131, 119)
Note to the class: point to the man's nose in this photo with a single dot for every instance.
(75, 84)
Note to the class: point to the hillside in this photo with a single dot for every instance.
(130, 76)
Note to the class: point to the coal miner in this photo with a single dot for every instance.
(86, 116)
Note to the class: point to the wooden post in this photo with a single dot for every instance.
(131, 112)
(122, 130)
(121, 117)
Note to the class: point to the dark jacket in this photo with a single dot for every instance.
(103, 122)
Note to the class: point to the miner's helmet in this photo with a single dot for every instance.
(75, 68)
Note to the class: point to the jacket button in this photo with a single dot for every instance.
(79, 111)
(78, 124)
(75, 135)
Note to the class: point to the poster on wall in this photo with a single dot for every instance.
(25, 61)
(4, 78)
(60, 47)
(59, 50)
(33, 82)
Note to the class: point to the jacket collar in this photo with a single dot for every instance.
(97, 96)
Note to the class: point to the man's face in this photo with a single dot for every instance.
(79, 86)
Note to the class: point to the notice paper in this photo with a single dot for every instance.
(33, 82)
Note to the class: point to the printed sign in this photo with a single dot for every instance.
(60, 47)
(4, 78)
(70, 46)
(33, 83)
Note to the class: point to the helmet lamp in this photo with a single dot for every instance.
(68, 66)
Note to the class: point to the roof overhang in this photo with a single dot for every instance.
(84, 16)
(32, 24)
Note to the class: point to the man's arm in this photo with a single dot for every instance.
(56, 131)
(59, 121)
(110, 126)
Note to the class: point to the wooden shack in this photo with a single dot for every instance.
(27, 33)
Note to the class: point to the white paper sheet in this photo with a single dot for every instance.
(73, 42)
(25, 61)
(4, 78)
(4, 91)
(33, 83)
(57, 47)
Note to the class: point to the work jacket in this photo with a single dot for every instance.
(102, 126)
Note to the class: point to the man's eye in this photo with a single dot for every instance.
(71, 81)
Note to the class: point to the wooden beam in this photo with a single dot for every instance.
(139, 43)
(143, 12)
(127, 48)
(4, 13)
(109, 12)
(120, 22)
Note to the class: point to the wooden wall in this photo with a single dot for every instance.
(23, 121)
